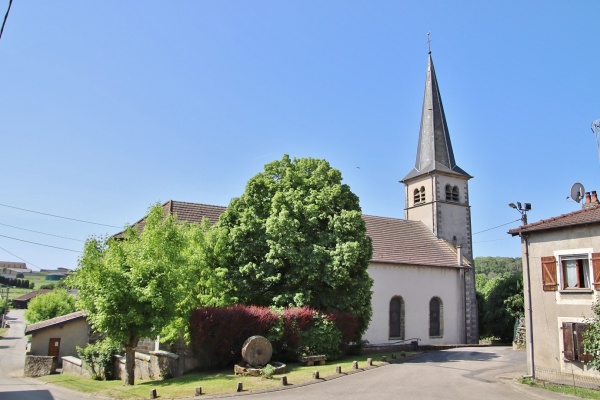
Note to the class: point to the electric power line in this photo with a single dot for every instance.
(58, 216)
(40, 244)
(42, 233)
(499, 226)
(5, 17)
(22, 259)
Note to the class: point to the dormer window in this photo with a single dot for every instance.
(419, 195)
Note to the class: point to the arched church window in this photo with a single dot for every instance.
(397, 318)
(448, 193)
(417, 196)
(422, 194)
(455, 194)
(435, 317)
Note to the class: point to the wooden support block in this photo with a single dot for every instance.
(198, 391)
(384, 358)
(284, 380)
(354, 364)
(338, 369)
(393, 356)
(240, 387)
(316, 374)
(403, 354)
(370, 362)
(153, 393)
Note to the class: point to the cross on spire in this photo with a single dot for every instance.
(429, 42)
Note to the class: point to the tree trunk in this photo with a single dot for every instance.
(130, 361)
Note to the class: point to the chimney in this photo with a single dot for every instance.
(590, 199)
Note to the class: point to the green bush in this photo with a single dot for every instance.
(322, 338)
(99, 358)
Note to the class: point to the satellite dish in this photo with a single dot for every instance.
(577, 192)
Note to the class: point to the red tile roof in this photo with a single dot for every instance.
(399, 241)
(588, 215)
(38, 326)
(31, 295)
(395, 241)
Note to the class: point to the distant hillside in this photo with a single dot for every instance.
(494, 266)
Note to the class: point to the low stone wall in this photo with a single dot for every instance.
(40, 365)
(74, 366)
(156, 366)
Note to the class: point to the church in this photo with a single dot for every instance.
(422, 266)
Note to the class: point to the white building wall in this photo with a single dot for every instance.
(417, 286)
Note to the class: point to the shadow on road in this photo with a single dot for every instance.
(27, 395)
(452, 356)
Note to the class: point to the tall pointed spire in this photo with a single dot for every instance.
(435, 149)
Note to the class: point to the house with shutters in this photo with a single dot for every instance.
(561, 276)
(422, 265)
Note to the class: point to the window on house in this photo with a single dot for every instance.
(573, 349)
(574, 271)
(396, 318)
(435, 317)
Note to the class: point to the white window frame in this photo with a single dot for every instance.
(562, 255)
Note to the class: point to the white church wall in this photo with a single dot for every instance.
(417, 286)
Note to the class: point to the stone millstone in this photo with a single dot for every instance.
(257, 351)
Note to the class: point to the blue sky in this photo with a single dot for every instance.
(107, 107)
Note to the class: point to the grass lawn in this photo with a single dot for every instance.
(3, 331)
(212, 383)
(564, 389)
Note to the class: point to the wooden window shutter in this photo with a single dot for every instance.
(568, 348)
(596, 270)
(581, 354)
(549, 273)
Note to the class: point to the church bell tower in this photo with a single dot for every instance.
(437, 191)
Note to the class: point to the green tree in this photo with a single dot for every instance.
(50, 305)
(591, 337)
(202, 281)
(127, 286)
(297, 238)
(501, 303)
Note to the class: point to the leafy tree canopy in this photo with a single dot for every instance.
(495, 266)
(297, 238)
(500, 302)
(50, 305)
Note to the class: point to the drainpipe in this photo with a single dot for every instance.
(528, 312)
(464, 276)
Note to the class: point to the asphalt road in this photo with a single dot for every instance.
(466, 373)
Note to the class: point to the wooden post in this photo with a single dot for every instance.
(316, 374)
(240, 387)
(284, 380)
(370, 362)
(354, 364)
(153, 393)
(393, 356)
(198, 391)
(338, 369)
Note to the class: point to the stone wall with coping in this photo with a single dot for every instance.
(36, 366)
(74, 366)
(156, 366)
